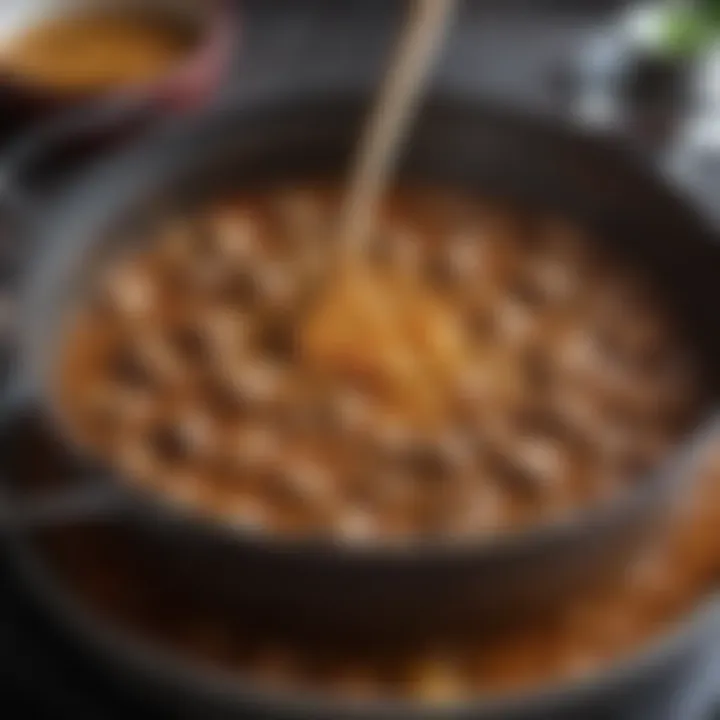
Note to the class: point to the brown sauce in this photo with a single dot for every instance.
(110, 576)
(487, 368)
(95, 52)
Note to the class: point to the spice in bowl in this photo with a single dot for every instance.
(93, 52)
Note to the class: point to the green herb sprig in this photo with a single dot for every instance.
(689, 28)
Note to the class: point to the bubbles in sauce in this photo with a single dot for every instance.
(401, 401)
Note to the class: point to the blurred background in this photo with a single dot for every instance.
(642, 70)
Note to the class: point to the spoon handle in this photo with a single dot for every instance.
(393, 111)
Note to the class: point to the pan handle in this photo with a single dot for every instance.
(65, 140)
(71, 137)
(89, 497)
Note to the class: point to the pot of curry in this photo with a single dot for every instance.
(480, 421)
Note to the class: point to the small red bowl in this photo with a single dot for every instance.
(189, 85)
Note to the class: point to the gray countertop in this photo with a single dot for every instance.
(504, 51)
(507, 52)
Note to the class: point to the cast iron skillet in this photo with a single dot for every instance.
(312, 586)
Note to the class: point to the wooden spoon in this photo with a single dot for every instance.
(387, 125)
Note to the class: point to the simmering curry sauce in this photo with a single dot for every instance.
(484, 368)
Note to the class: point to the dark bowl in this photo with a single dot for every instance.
(427, 587)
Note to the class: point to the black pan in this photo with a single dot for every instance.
(312, 585)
